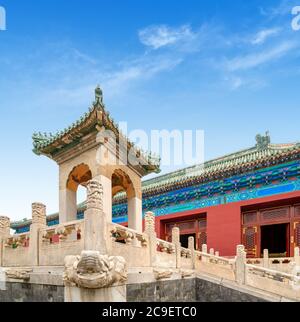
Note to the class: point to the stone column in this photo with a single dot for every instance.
(4, 233)
(95, 222)
(67, 205)
(192, 249)
(107, 195)
(135, 214)
(240, 265)
(39, 221)
(297, 256)
(266, 258)
(176, 242)
(150, 231)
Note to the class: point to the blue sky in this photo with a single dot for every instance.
(228, 67)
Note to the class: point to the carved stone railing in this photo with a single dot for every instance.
(186, 253)
(165, 247)
(213, 259)
(214, 265)
(17, 240)
(127, 236)
(279, 283)
(71, 231)
(129, 244)
(59, 241)
(16, 250)
(283, 264)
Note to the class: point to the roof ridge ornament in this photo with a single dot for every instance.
(263, 141)
(98, 96)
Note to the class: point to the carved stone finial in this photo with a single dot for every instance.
(263, 141)
(176, 235)
(39, 213)
(150, 223)
(98, 95)
(4, 226)
(240, 251)
(94, 195)
(94, 271)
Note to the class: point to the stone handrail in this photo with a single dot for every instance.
(186, 253)
(272, 274)
(127, 235)
(62, 230)
(17, 240)
(165, 247)
(215, 259)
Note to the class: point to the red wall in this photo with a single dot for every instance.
(224, 226)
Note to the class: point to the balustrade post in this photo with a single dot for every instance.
(192, 249)
(212, 252)
(150, 231)
(204, 251)
(266, 258)
(4, 234)
(176, 242)
(240, 265)
(95, 221)
(39, 221)
(297, 256)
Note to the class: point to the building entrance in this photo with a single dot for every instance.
(275, 229)
(275, 238)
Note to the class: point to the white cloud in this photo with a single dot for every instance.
(283, 8)
(160, 36)
(236, 83)
(263, 35)
(138, 70)
(257, 59)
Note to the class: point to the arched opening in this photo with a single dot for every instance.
(124, 195)
(79, 176)
(76, 189)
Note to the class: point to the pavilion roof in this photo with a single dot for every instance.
(94, 120)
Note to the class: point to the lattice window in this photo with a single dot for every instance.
(203, 239)
(250, 218)
(297, 234)
(275, 214)
(297, 212)
(250, 241)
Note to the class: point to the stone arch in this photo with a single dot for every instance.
(121, 182)
(80, 175)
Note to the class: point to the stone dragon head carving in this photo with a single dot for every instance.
(94, 271)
